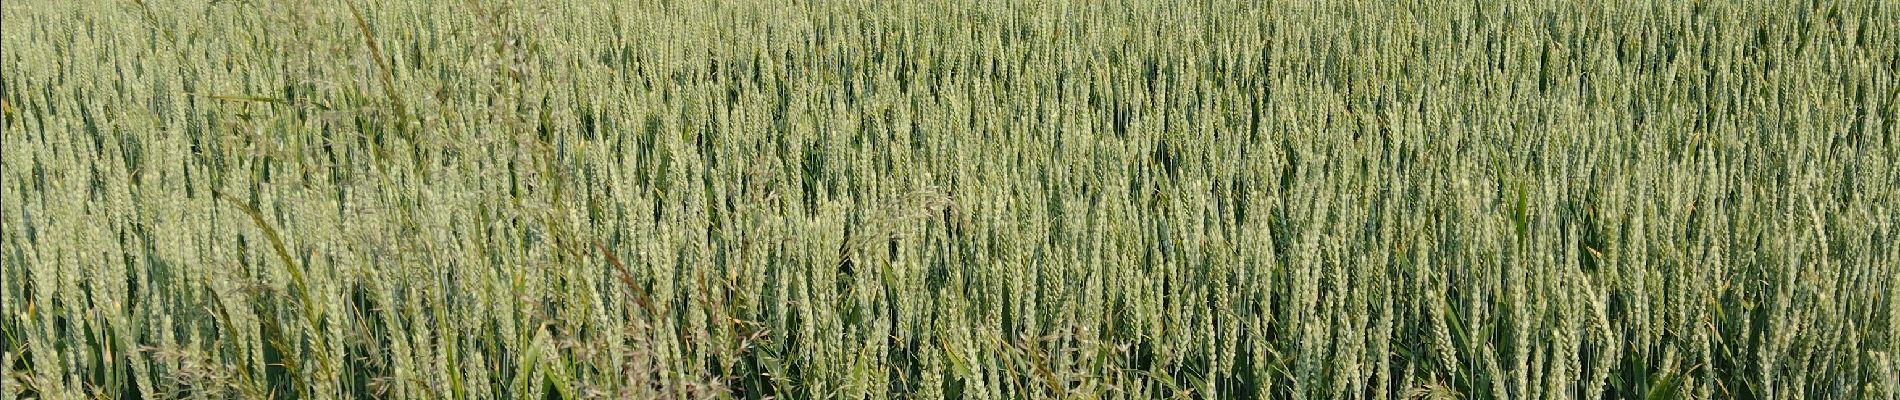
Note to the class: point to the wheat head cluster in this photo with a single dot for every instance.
(982, 199)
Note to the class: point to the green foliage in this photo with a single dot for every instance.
(999, 199)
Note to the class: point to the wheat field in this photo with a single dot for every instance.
(989, 199)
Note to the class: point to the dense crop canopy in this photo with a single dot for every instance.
(990, 199)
